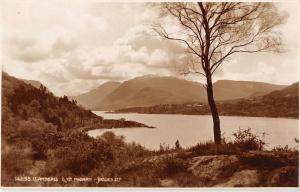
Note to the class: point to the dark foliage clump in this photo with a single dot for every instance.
(246, 140)
(243, 140)
(172, 166)
(30, 102)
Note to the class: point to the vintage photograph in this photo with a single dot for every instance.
(149, 94)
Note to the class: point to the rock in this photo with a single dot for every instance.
(269, 159)
(284, 177)
(168, 183)
(159, 158)
(244, 178)
(213, 168)
(38, 167)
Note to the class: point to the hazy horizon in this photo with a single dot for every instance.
(42, 41)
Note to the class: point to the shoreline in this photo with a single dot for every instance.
(123, 112)
(114, 124)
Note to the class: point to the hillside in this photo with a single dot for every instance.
(39, 128)
(290, 91)
(93, 97)
(34, 83)
(151, 90)
(26, 102)
(154, 90)
(282, 103)
(228, 89)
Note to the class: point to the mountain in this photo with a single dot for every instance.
(26, 102)
(154, 90)
(290, 91)
(229, 89)
(34, 83)
(23, 100)
(281, 103)
(93, 97)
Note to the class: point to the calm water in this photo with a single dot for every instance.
(192, 129)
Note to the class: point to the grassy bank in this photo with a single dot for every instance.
(47, 153)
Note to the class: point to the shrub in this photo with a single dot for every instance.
(113, 139)
(263, 160)
(171, 166)
(282, 149)
(15, 161)
(79, 155)
(177, 145)
(164, 148)
(246, 140)
(210, 148)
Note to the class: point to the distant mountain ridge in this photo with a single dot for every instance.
(279, 103)
(290, 91)
(154, 90)
(229, 89)
(91, 98)
(151, 90)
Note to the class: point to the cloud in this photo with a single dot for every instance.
(75, 66)
(141, 45)
(31, 51)
(63, 46)
(56, 77)
(73, 87)
(143, 35)
(74, 47)
(25, 50)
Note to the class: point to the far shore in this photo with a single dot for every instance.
(222, 115)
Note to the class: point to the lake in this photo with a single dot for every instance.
(192, 129)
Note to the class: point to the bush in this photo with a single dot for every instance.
(113, 139)
(282, 149)
(171, 166)
(177, 145)
(15, 161)
(263, 160)
(210, 148)
(246, 140)
(79, 154)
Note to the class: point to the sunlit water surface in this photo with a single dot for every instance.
(192, 129)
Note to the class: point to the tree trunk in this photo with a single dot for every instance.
(214, 110)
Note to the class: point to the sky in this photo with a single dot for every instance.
(75, 46)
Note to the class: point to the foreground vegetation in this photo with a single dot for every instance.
(44, 148)
(48, 153)
(36, 126)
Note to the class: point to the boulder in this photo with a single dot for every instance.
(284, 177)
(244, 178)
(163, 157)
(168, 183)
(269, 159)
(214, 167)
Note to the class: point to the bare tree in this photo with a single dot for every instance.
(212, 32)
